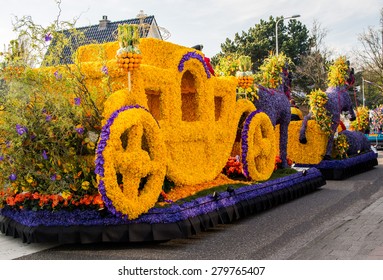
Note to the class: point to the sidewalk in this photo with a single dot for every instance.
(12, 248)
(359, 237)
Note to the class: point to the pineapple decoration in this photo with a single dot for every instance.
(128, 55)
(244, 75)
(246, 88)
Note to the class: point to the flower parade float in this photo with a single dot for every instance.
(168, 130)
(337, 154)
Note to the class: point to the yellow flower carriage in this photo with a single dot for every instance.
(174, 119)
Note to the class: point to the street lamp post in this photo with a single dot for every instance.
(276, 30)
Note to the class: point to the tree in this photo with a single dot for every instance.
(370, 58)
(312, 71)
(259, 41)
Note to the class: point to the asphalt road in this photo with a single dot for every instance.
(278, 233)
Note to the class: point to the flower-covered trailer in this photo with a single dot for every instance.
(169, 119)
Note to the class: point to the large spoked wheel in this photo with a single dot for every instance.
(131, 161)
(258, 146)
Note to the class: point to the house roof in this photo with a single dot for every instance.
(105, 31)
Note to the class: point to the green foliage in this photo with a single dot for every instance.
(259, 41)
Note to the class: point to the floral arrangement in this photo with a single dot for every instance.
(340, 146)
(46, 150)
(361, 122)
(377, 119)
(338, 72)
(36, 201)
(245, 78)
(317, 102)
(228, 65)
(128, 55)
(233, 167)
(49, 129)
(269, 75)
(128, 38)
(278, 162)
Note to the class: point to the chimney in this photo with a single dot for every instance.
(103, 23)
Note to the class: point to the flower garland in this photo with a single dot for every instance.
(197, 56)
(36, 201)
(317, 102)
(130, 202)
(258, 148)
(361, 122)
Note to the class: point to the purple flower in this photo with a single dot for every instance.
(21, 129)
(104, 70)
(53, 177)
(48, 37)
(77, 101)
(80, 130)
(48, 118)
(194, 55)
(45, 154)
(13, 177)
(58, 75)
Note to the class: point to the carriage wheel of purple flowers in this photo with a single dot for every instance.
(258, 146)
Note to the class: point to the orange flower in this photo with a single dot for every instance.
(10, 201)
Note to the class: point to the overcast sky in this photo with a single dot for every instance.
(207, 22)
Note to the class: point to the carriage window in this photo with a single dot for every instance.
(217, 107)
(189, 98)
(154, 103)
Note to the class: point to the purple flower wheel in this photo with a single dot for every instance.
(130, 161)
(258, 146)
